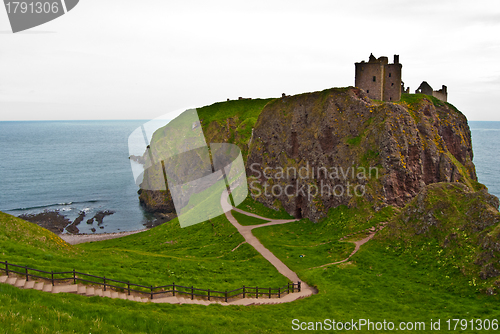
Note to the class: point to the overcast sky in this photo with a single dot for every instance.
(123, 59)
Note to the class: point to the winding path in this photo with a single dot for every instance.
(245, 231)
(371, 233)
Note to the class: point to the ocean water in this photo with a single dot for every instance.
(486, 148)
(74, 166)
(70, 166)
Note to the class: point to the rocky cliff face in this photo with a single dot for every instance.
(382, 153)
(311, 152)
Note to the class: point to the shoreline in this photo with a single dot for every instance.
(74, 239)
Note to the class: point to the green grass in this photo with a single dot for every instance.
(155, 257)
(247, 220)
(415, 99)
(229, 121)
(318, 243)
(383, 281)
(237, 118)
(451, 230)
(298, 249)
(376, 285)
(221, 111)
(252, 206)
(354, 140)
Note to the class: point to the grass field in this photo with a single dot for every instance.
(247, 220)
(378, 283)
(252, 206)
(296, 245)
(200, 255)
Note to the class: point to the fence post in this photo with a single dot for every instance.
(128, 287)
(52, 273)
(269, 292)
(279, 292)
(104, 278)
(7, 268)
(293, 286)
(257, 292)
(173, 288)
(192, 292)
(74, 277)
(298, 285)
(208, 294)
(243, 291)
(26, 271)
(288, 288)
(226, 296)
(151, 292)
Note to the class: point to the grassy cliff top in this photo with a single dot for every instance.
(221, 111)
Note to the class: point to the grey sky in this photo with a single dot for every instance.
(122, 59)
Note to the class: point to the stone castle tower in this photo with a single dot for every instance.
(380, 80)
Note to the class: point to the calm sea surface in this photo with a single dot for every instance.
(70, 166)
(486, 148)
(74, 166)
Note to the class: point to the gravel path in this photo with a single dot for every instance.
(74, 239)
(246, 232)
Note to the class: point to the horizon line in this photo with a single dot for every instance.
(144, 119)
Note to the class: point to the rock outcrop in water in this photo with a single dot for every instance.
(50, 220)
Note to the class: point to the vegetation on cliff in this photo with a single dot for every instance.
(413, 146)
(453, 229)
(399, 148)
(231, 121)
(223, 122)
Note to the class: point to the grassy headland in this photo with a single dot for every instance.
(400, 275)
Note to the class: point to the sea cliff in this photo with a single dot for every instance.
(388, 152)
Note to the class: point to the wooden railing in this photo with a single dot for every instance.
(171, 289)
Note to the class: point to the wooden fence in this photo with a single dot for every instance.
(171, 289)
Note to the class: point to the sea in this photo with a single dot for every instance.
(74, 166)
(486, 149)
(70, 166)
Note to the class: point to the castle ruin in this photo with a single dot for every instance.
(380, 80)
(425, 88)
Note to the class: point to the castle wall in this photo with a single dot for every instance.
(369, 77)
(424, 88)
(440, 95)
(379, 79)
(383, 81)
(392, 82)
